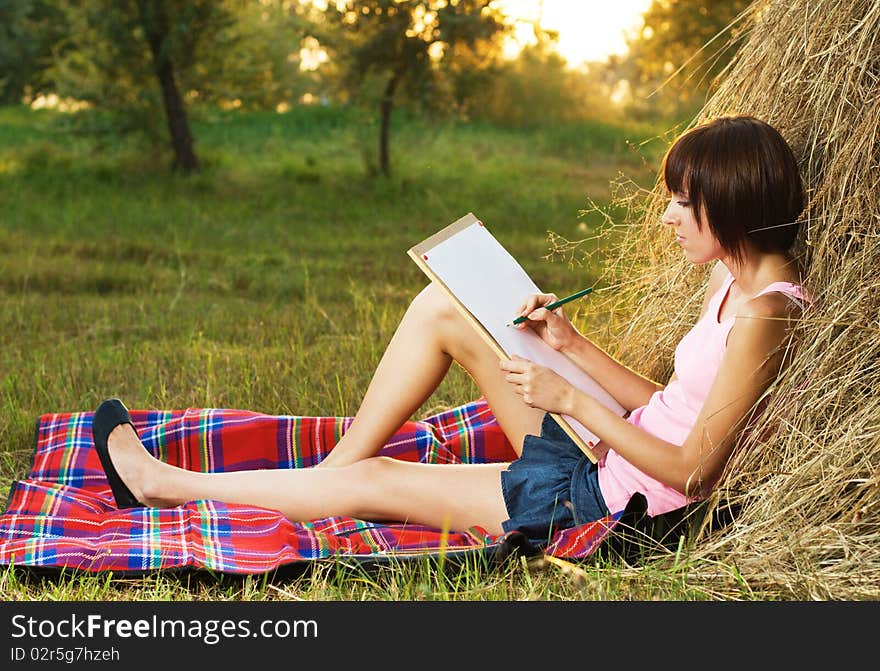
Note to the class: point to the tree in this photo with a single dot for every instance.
(156, 23)
(681, 48)
(120, 53)
(28, 31)
(255, 63)
(538, 88)
(391, 48)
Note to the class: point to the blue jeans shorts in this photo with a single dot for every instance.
(552, 486)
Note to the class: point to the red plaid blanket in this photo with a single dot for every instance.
(62, 514)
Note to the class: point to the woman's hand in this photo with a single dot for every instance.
(540, 387)
(553, 327)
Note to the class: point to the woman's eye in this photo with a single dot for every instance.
(684, 203)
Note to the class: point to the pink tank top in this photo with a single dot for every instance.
(672, 412)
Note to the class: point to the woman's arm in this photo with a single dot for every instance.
(754, 355)
(628, 387)
(755, 352)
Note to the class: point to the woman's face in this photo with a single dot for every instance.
(699, 245)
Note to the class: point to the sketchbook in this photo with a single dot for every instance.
(488, 285)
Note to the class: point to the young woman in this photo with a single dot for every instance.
(735, 196)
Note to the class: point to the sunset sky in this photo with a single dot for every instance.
(589, 30)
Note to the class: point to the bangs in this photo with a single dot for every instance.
(676, 165)
(687, 169)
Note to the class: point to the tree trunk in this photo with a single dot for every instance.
(155, 25)
(386, 106)
(178, 125)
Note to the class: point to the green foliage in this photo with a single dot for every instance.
(407, 41)
(538, 89)
(390, 48)
(29, 30)
(108, 63)
(682, 47)
(253, 61)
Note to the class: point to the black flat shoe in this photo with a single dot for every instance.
(110, 414)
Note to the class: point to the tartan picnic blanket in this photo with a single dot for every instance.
(62, 515)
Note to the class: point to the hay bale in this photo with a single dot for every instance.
(808, 475)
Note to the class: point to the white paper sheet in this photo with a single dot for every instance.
(492, 285)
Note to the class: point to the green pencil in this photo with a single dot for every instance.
(556, 304)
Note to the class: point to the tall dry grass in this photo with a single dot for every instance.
(807, 477)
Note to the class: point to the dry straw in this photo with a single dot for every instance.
(807, 477)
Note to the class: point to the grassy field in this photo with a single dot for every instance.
(246, 285)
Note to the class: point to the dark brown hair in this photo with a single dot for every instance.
(742, 177)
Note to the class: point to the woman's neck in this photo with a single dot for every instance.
(758, 270)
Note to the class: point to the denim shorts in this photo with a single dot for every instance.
(552, 486)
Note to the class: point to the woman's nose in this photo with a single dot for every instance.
(666, 218)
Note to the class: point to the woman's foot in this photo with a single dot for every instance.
(130, 469)
(133, 465)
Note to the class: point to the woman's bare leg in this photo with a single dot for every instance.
(431, 335)
(454, 496)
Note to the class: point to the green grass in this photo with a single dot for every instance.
(602, 579)
(270, 281)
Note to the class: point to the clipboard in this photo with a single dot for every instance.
(487, 285)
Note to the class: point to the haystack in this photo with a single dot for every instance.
(807, 478)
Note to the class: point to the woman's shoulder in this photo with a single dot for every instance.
(782, 298)
(762, 326)
(771, 305)
(777, 306)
